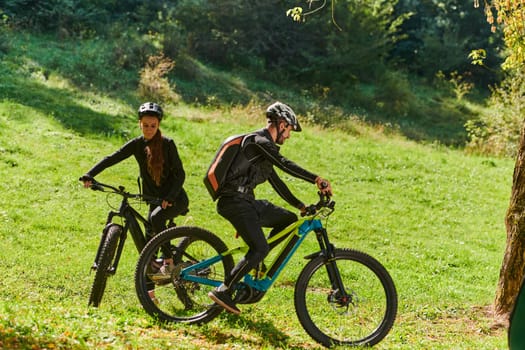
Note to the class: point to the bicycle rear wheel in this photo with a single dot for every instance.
(104, 264)
(361, 315)
(181, 300)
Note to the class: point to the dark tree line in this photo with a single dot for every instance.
(419, 36)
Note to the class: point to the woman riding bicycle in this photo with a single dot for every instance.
(161, 171)
(237, 203)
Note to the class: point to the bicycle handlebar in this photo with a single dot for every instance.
(325, 201)
(102, 187)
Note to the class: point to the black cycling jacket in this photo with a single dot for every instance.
(173, 174)
(255, 165)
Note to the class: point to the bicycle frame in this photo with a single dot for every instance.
(295, 234)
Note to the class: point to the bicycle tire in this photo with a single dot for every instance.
(364, 319)
(104, 263)
(179, 300)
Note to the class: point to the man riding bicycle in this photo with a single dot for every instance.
(255, 165)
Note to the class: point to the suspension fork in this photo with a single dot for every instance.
(130, 225)
(328, 250)
(120, 248)
(111, 214)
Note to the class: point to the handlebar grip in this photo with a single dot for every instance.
(324, 184)
(309, 210)
(86, 178)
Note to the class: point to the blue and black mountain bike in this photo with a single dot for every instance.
(342, 296)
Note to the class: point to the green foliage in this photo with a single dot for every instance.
(497, 130)
(478, 56)
(455, 82)
(440, 36)
(509, 16)
(296, 13)
(128, 51)
(394, 95)
(86, 19)
(393, 102)
(351, 38)
(358, 52)
(243, 35)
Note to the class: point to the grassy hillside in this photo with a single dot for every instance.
(433, 216)
(426, 111)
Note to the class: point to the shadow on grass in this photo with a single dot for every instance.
(258, 334)
(61, 105)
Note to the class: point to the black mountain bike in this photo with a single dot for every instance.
(114, 236)
(342, 296)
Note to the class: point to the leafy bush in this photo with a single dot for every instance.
(130, 49)
(497, 131)
(394, 95)
(456, 83)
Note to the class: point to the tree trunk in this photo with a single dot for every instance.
(512, 269)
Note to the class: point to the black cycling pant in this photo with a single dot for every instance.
(248, 216)
(158, 217)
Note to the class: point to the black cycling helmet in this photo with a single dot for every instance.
(150, 108)
(279, 111)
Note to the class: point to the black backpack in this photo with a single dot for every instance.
(221, 164)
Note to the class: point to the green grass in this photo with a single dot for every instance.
(433, 216)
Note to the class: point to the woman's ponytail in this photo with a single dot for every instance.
(155, 157)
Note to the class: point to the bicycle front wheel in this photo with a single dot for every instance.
(360, 315)
(176, 299)
(104, 264)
